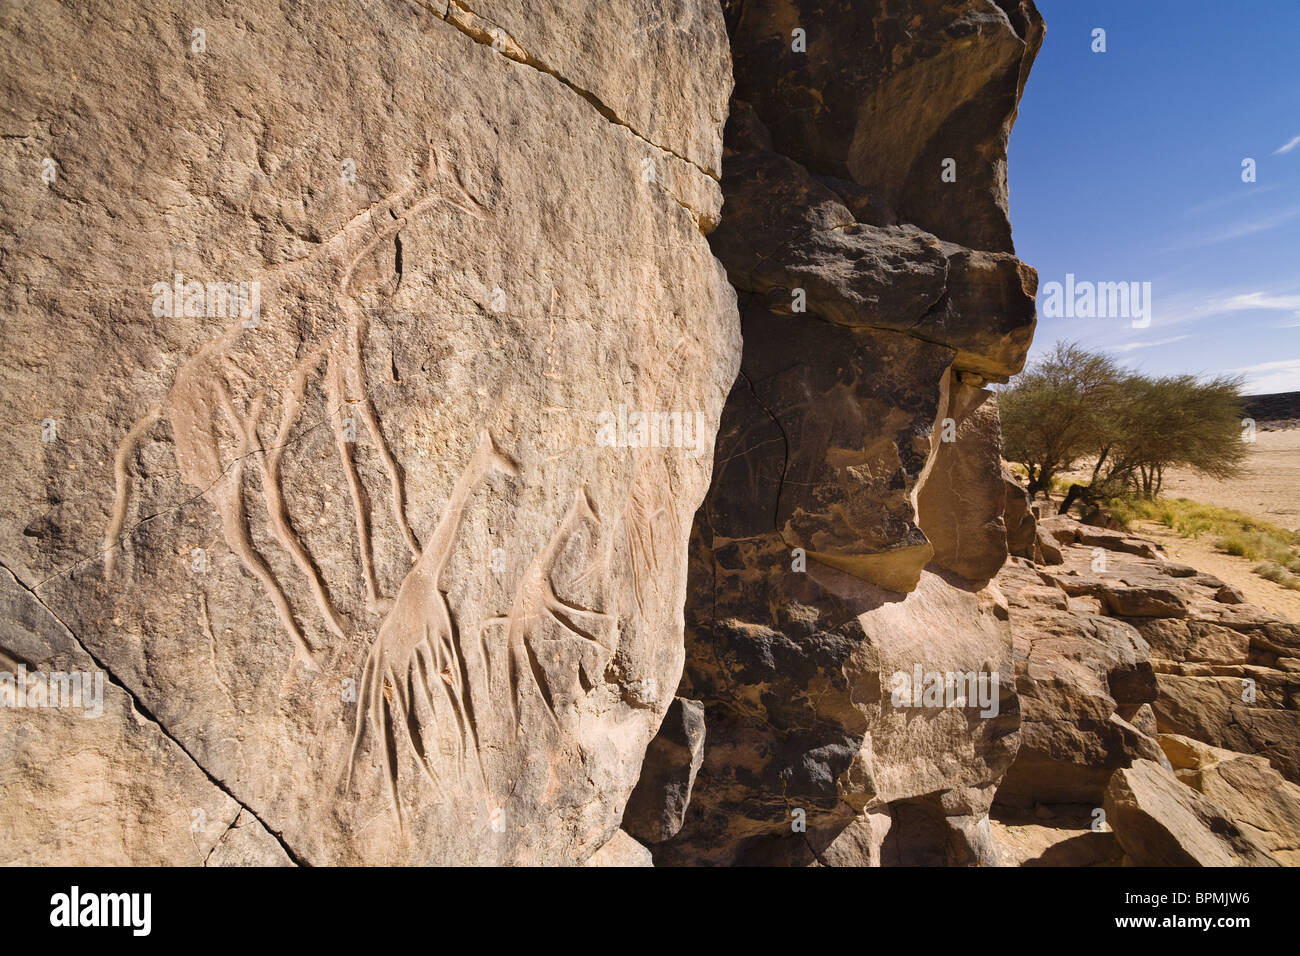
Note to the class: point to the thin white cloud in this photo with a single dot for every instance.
(1268, 377)
(1289, 145)
(1267, 366)
(1242, 229)
(1131, 346)
(1171, 310)
(1230, 199)
(1261, 300)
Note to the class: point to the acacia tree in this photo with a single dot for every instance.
(1172, 421)
(1074, 405)
(1057, 411)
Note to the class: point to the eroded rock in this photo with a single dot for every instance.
(857, 508)
(657, 807)
(1161, 822)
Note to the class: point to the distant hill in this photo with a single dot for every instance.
(1278, 407)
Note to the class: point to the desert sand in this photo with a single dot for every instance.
(1270, 489)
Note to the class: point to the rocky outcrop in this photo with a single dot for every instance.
(1083, 679)
(1147, 691)
(854, 667)
(386, 482)
(962, 502)
(620, 851)
(1251, 793)
(1223, 669)
(366, 375)
(1018, 518)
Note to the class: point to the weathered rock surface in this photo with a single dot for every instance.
(1018, 518)
(1250, 791)
(98, 765)
(962, 500)
(1079, 676)
(620, 851)
(855, 515)
(657, 807)
(1220, 665)
(1124, 658)
(1053, 835)
(882, 95)
(1161, 822)
(361, 557)
(375, 441)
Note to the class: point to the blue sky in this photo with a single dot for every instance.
(1125, 166)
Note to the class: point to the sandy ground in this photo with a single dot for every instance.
(1269, 489)
(1060, 835)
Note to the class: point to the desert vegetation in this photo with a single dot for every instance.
(1275, 549)
(1076, 406)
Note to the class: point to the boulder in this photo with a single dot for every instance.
(1253, 795)
(620, 851)
(1081, 679)
(1159, 821)
(1047, 547)
(1064, 529)
(903, 95)
(962, 497)
(812, 725)
(657, 807)
(1240, 713)
(1018, 517)
(825, 437)
(1144, 602)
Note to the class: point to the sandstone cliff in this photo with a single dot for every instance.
(364, 583)
(381, 443)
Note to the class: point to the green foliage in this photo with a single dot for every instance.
(1173, 421)
(1055, 413)
(1074, 405)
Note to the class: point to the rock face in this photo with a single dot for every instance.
(1212, 669)
(840, 560)
(366, 373)
(1251, 792)
(106, 761)
(386, 482)
(620, 851)
(1019, 520)
(1082, 678)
